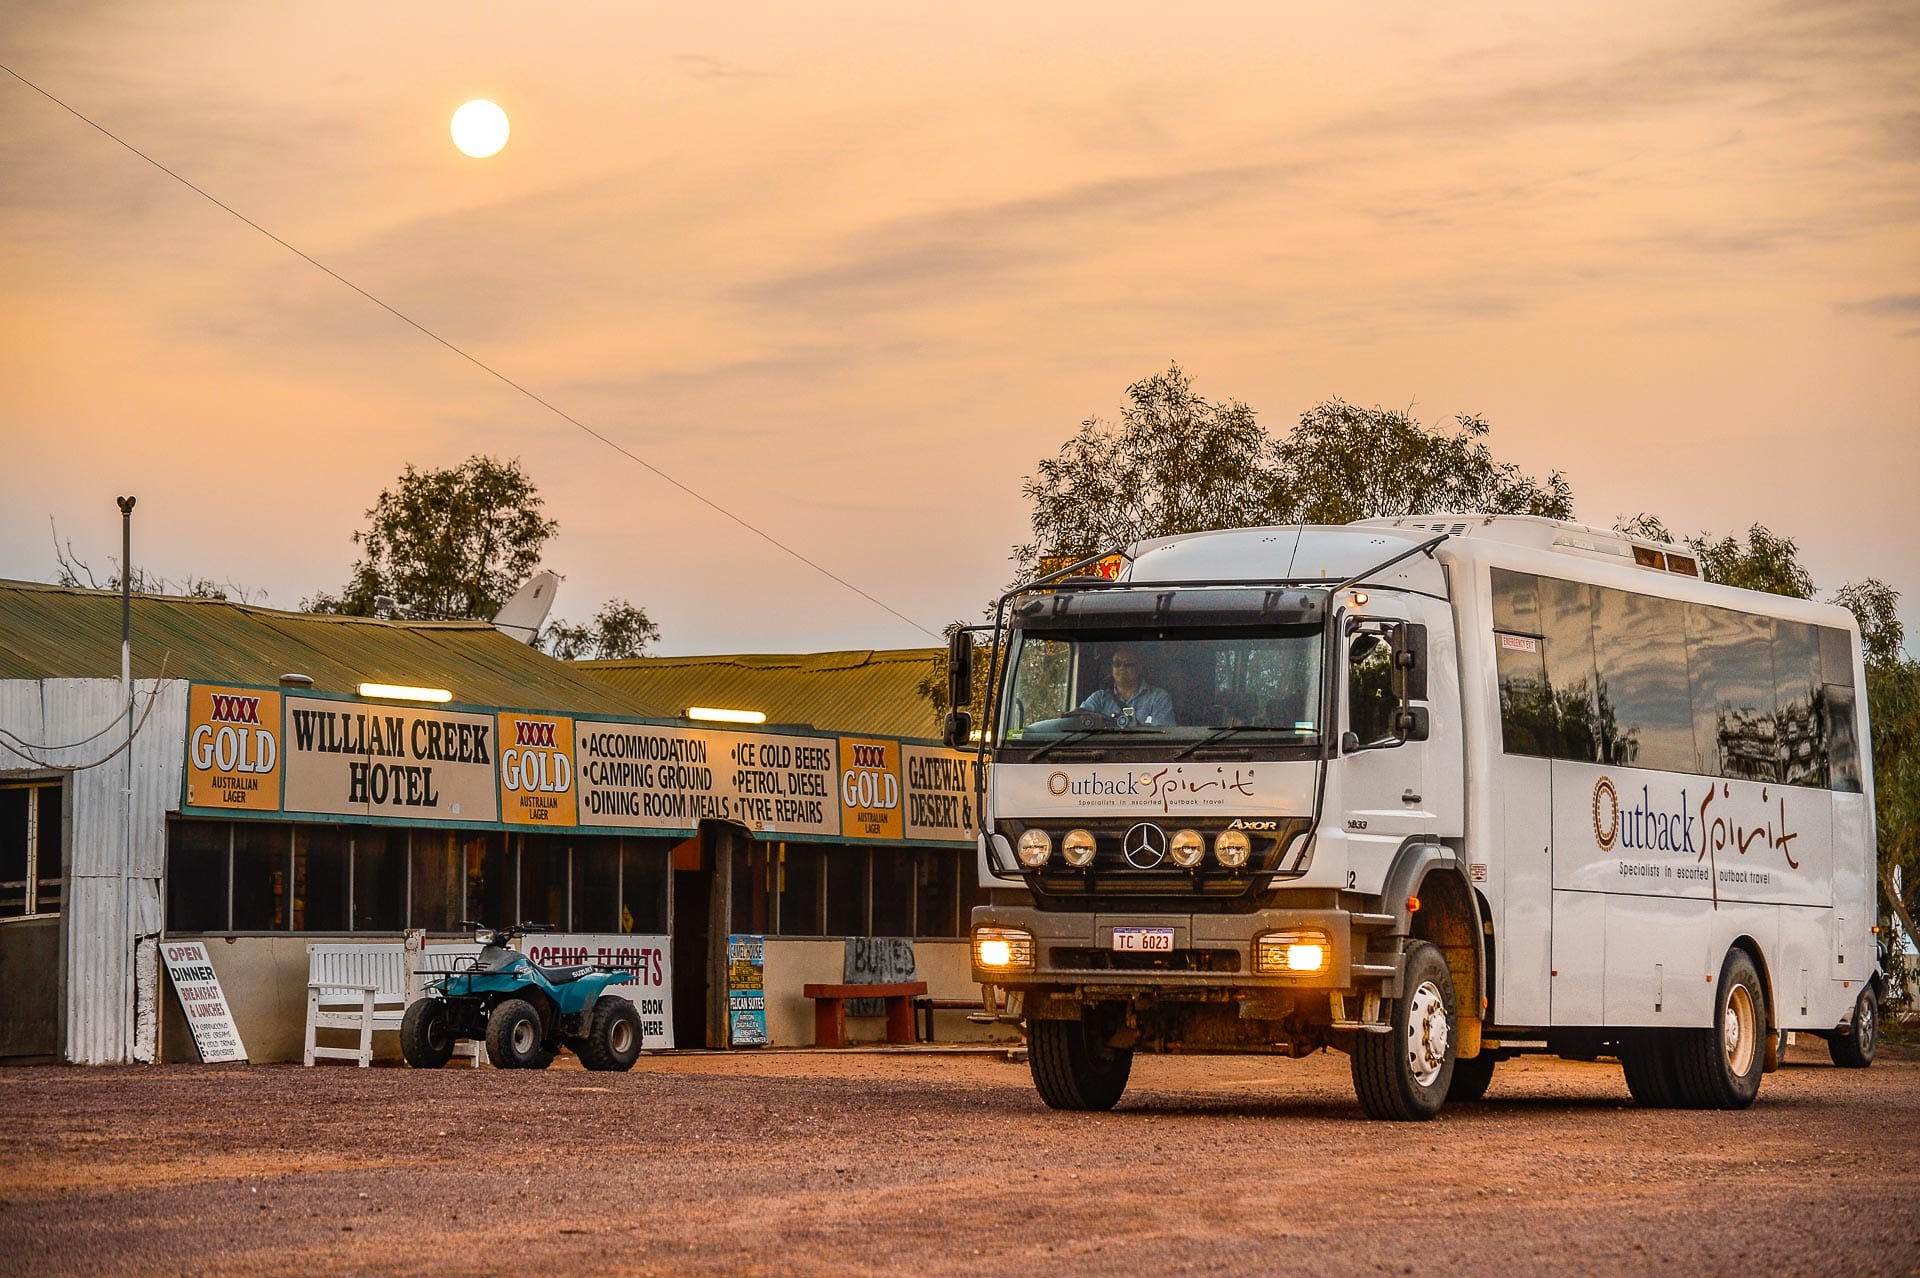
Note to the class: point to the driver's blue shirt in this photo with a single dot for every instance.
(1150, 705)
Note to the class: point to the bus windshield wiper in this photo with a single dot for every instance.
(1221, 734)
(1057, 742)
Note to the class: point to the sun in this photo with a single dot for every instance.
(480, 129)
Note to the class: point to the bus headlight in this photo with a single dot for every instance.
(1292, 953)
(1232, 848)
(1077, 848)
(1186, 849)
(1002, 948)
(1035, 847)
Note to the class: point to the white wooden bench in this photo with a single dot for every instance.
(366, 988)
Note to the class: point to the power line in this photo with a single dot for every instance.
(482, 365)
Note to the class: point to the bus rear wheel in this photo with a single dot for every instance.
(1647, 1059)
(1854, 1046)
(1404, 1075)
(1720, 1068)
(1073, 1066)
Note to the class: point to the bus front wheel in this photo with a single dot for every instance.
(1404, 1075)
(1073, 1065)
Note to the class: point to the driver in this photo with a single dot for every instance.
(1128, 697)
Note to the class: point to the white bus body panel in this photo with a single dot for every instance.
(1523, 919)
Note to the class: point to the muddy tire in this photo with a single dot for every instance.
(426, 1034)
(1404, 1075)
(1072, 1065)
(1720, 1068)
(1471, 1078)
(514, 1037)
(612, 1041)
(1647, 1059)
(1854, 1046)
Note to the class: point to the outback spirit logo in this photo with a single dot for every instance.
(1170, 788)
(1701, 830)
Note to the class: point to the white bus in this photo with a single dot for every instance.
(1432, 791)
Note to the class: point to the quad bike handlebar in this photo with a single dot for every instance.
(504, 935)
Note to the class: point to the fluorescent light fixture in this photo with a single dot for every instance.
(715, 715)
(401, 692)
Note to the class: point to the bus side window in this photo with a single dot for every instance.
(1370, 698)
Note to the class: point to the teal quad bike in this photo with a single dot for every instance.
(523, 1012)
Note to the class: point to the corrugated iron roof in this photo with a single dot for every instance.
(864, 691)
(54, 632)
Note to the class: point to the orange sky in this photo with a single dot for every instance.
(851, 270)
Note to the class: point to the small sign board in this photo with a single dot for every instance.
(202, 1001)
(876, 960)
(746, 991)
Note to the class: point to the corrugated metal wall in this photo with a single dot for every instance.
(100, 935)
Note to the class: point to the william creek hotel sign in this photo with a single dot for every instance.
(262, 752)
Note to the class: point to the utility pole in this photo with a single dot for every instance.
(129, 985)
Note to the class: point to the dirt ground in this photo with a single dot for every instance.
(939, 1163)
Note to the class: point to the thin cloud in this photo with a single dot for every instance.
(1886, 304)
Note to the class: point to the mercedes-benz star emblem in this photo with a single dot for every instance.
(1145, 846)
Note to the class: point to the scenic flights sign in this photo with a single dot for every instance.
(260, 752)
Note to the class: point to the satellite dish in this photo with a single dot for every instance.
(522, 616)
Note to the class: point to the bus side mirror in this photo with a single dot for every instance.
(1410, 723)
(958, 730)
(960, 670)
(1410, 662)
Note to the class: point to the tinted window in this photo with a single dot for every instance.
(1800, 735)
(803, 874)
(490, 879)
(938, 879)
(596, 885)
(1527, 721)
(1843, 740)
(322, 877)
(847, 891)
(893, 892)
(1643, 714)
(1731, 659)
(1566, 627)
(379, 879)
(643, 885)
(437, 881)
(261, 859)
(197, 876)
(543, 880)
(1516, 606)
(1370, 699)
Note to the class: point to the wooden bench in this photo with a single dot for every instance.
(830, 1009)
(366, 988)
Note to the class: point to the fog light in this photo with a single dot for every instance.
(1292, 953)
(1232, 848)
(1186, 849)
(1035, 847)
(1077, 848)
(1002, 948)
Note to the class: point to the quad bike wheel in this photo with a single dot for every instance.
(515, 1037)
(612, 1040)
(426, 1034)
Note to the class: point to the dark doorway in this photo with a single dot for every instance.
(692, 907)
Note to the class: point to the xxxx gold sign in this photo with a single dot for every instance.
(536, 770)
(870, 789)
(233, 749)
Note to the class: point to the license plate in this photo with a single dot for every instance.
(1143, 940)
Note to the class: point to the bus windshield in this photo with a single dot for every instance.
(1174, 686)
